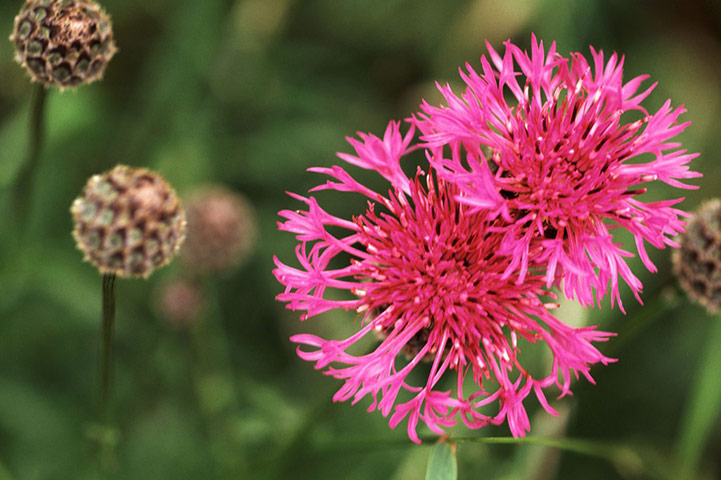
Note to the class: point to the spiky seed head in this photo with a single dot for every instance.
(179, 303)
(128, 221)
(221, 230)
(697, 263)
(63, 42)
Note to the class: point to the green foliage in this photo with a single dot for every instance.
(250, 93)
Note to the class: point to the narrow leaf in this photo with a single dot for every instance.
(442, 463)
(704, 406)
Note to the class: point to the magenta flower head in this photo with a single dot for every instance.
(561, 149)
(422, 273)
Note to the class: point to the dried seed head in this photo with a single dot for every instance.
(63, 42)
(697, 263)
(128, 221)
(179, 303)
(221, 230)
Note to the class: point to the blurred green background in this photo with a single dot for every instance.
(250, 93)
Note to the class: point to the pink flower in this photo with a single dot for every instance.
(422, 272)
(563, 163)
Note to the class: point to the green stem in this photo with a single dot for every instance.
(575, 445)
(623, 457)
(106, 369)
(585, 447)
(103, 433)
(704, 406)
(36, 134)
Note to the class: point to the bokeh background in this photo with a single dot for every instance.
(250, 93)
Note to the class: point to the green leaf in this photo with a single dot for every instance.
(442, 463)
(704, 406)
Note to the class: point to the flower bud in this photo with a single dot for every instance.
(221, 230)
(63, 42)
(128, 221)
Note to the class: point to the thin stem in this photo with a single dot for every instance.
(624, 457)
(106, 370)
(575, 445)
(36, 134)
(102, 433)
(582, 446)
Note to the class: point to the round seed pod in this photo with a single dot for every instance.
(128, 221)
(63, 42)
(697, 263)
(179, 303)
(221, 230)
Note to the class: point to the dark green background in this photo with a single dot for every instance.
(250, 93)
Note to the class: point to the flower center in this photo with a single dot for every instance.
(559, 159)
(428, 269)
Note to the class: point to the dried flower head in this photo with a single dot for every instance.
(697, 263)
(423, 273)
(128, 221)
(63, 42)
(221, 230)
(562, 150)
(179, 303)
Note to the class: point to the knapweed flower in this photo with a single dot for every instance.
(422, 272)
(561, 150)
(697, 263)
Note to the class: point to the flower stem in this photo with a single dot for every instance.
(102, 433)
(106, 369)
(631, 460)
(36, 135)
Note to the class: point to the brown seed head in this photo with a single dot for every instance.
(697, 263)
(179, 303)
(221, 230)
(128, 221)
(63, 42)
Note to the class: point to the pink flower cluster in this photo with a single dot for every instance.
(452, 269)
